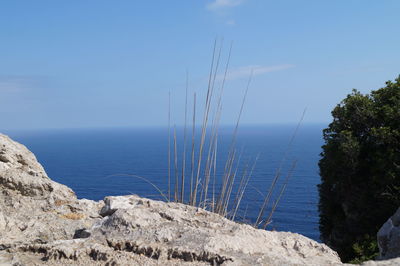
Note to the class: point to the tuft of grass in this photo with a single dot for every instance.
(226, 198)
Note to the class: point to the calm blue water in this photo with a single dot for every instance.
(85, 159)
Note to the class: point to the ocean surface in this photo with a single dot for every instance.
(92, 161)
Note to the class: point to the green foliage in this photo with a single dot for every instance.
(365, 249)
(360, 170)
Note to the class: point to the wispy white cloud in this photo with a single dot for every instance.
(14, 83)
(222, 4)
(231, 22)
(245, 71)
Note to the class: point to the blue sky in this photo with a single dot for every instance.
(93, 63)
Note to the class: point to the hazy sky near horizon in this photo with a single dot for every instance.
(97, 63)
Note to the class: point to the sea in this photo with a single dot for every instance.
(120, 161)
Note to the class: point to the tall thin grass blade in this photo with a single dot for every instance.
(176, 198)
(278, 173)
(231, 183)
(144, 179)
(203, 129)
(184, 142)
(169, 146)
(243, 188)
(228, 165)
(290, 173)
(193, 145)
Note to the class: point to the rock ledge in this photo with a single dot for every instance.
(43, 223)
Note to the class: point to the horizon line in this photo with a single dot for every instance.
(157, 126)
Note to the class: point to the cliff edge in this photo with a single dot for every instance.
(43, 223)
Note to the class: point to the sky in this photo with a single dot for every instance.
(97, 63)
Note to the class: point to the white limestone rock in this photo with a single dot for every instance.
(33, 208)
(389, 237)
(43, 223)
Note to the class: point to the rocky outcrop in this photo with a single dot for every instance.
(33, 208)
(43, 223)
(21, 174)
(175, 231)
(389, 237)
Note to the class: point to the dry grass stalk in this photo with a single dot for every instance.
(289, 174)
(278, 173)
(193, 145)
(145, 180)
(176, 197)
(242, 188)
(184, 141)
(204, 126)
(200, 176)
(231, 154)
(169, 146)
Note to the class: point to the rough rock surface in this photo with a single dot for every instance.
(389, 237)
(43, 223)
(33, 208)
(391, 262)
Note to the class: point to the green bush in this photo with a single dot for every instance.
(360, 171)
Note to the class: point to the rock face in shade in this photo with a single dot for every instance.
(389, 237)
(43, 223)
